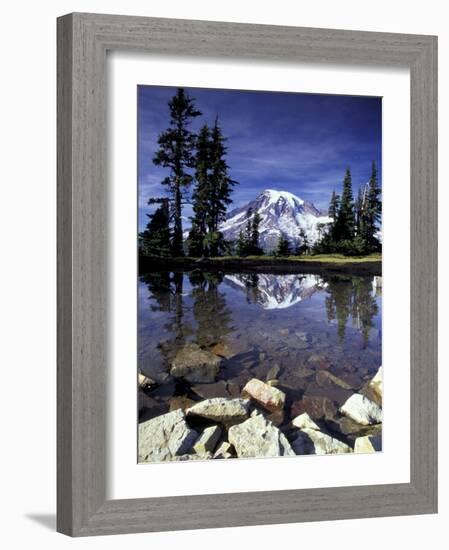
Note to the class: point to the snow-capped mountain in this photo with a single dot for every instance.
(282, 213)
(276, 291)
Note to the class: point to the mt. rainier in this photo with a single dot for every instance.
(282, 213)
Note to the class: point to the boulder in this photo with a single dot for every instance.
(362, 410)
(368, 444)
(224, 450)
(315, 406)
(220, 409)
(183, 458)
(377, 383)
(269, 397)
(165, 437)
(304, 421)
(257, 437)
(195, 364)
(311, 441)
(208, 440)
(317, 361)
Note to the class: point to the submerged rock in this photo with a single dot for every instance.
(220, 409)
(180, 402)
(195, 364)
(311, 441)
(165, 437)
(268, 396)
(214, 389)
(376, 383)
(315, 406)
(304, 421)
(325, 378)
(208, 440)
(368, 444)
(257, 437)
(223, 350)
(362, 410)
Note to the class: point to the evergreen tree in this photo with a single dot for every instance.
(176, 146)
(372, 211)
(303, 245)
(333, 206)
(220, 187)
(283, 247)
(345, 222)
(155, 239)
(359, 212)
(200, 195)
(241, 244)
(254, 248)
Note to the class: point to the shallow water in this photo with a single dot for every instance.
(284, 327)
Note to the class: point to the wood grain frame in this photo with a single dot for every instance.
(83, 40)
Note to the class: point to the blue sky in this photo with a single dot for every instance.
(300, 143)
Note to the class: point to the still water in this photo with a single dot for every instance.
(267, 326)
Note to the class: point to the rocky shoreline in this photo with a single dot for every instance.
(249, 421)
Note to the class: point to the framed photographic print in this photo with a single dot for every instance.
(247, 274)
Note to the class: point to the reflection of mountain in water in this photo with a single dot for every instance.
(276, 291)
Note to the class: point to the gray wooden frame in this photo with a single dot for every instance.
(83, 40)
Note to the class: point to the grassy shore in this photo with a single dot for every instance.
(363, 265)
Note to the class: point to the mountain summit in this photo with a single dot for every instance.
(282, 213)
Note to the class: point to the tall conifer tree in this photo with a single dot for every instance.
(176, 146)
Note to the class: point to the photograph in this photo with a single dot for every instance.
(259, 284)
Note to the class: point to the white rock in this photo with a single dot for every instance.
(368, 444)
(144, 381)
(304, 421)
(362, 410)
(310, 441)
(257, 437)
(224, 450)
(221, 409)
(377, 382)
(208, 440)
(165, 437)
(267, 395)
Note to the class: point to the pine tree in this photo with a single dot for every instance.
(359, 212)
(241, 244)
(333, 206)
(200, 195)
(345, 222)
(255, 249)
(372, 211)
(155, 240)
(176, 146)
(283, 247)
(220, 187)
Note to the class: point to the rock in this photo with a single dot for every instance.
(224, 450)
(330, 390)
(317, 361)
(220, 409)
(180, 402)
(215, 389)
(273, 383)
(304, 421)
(368, 444)
(145, 381)
(377, 382)
(269, 397)
(208, 440)
(311, 441)
(185, 457)
(257, 437)
(233, 389)
(362, 410)
(315, 406)
(222, 349)
(195, 364)
(273, 372)
(325, 378)
(149, 407)
(165, 437)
